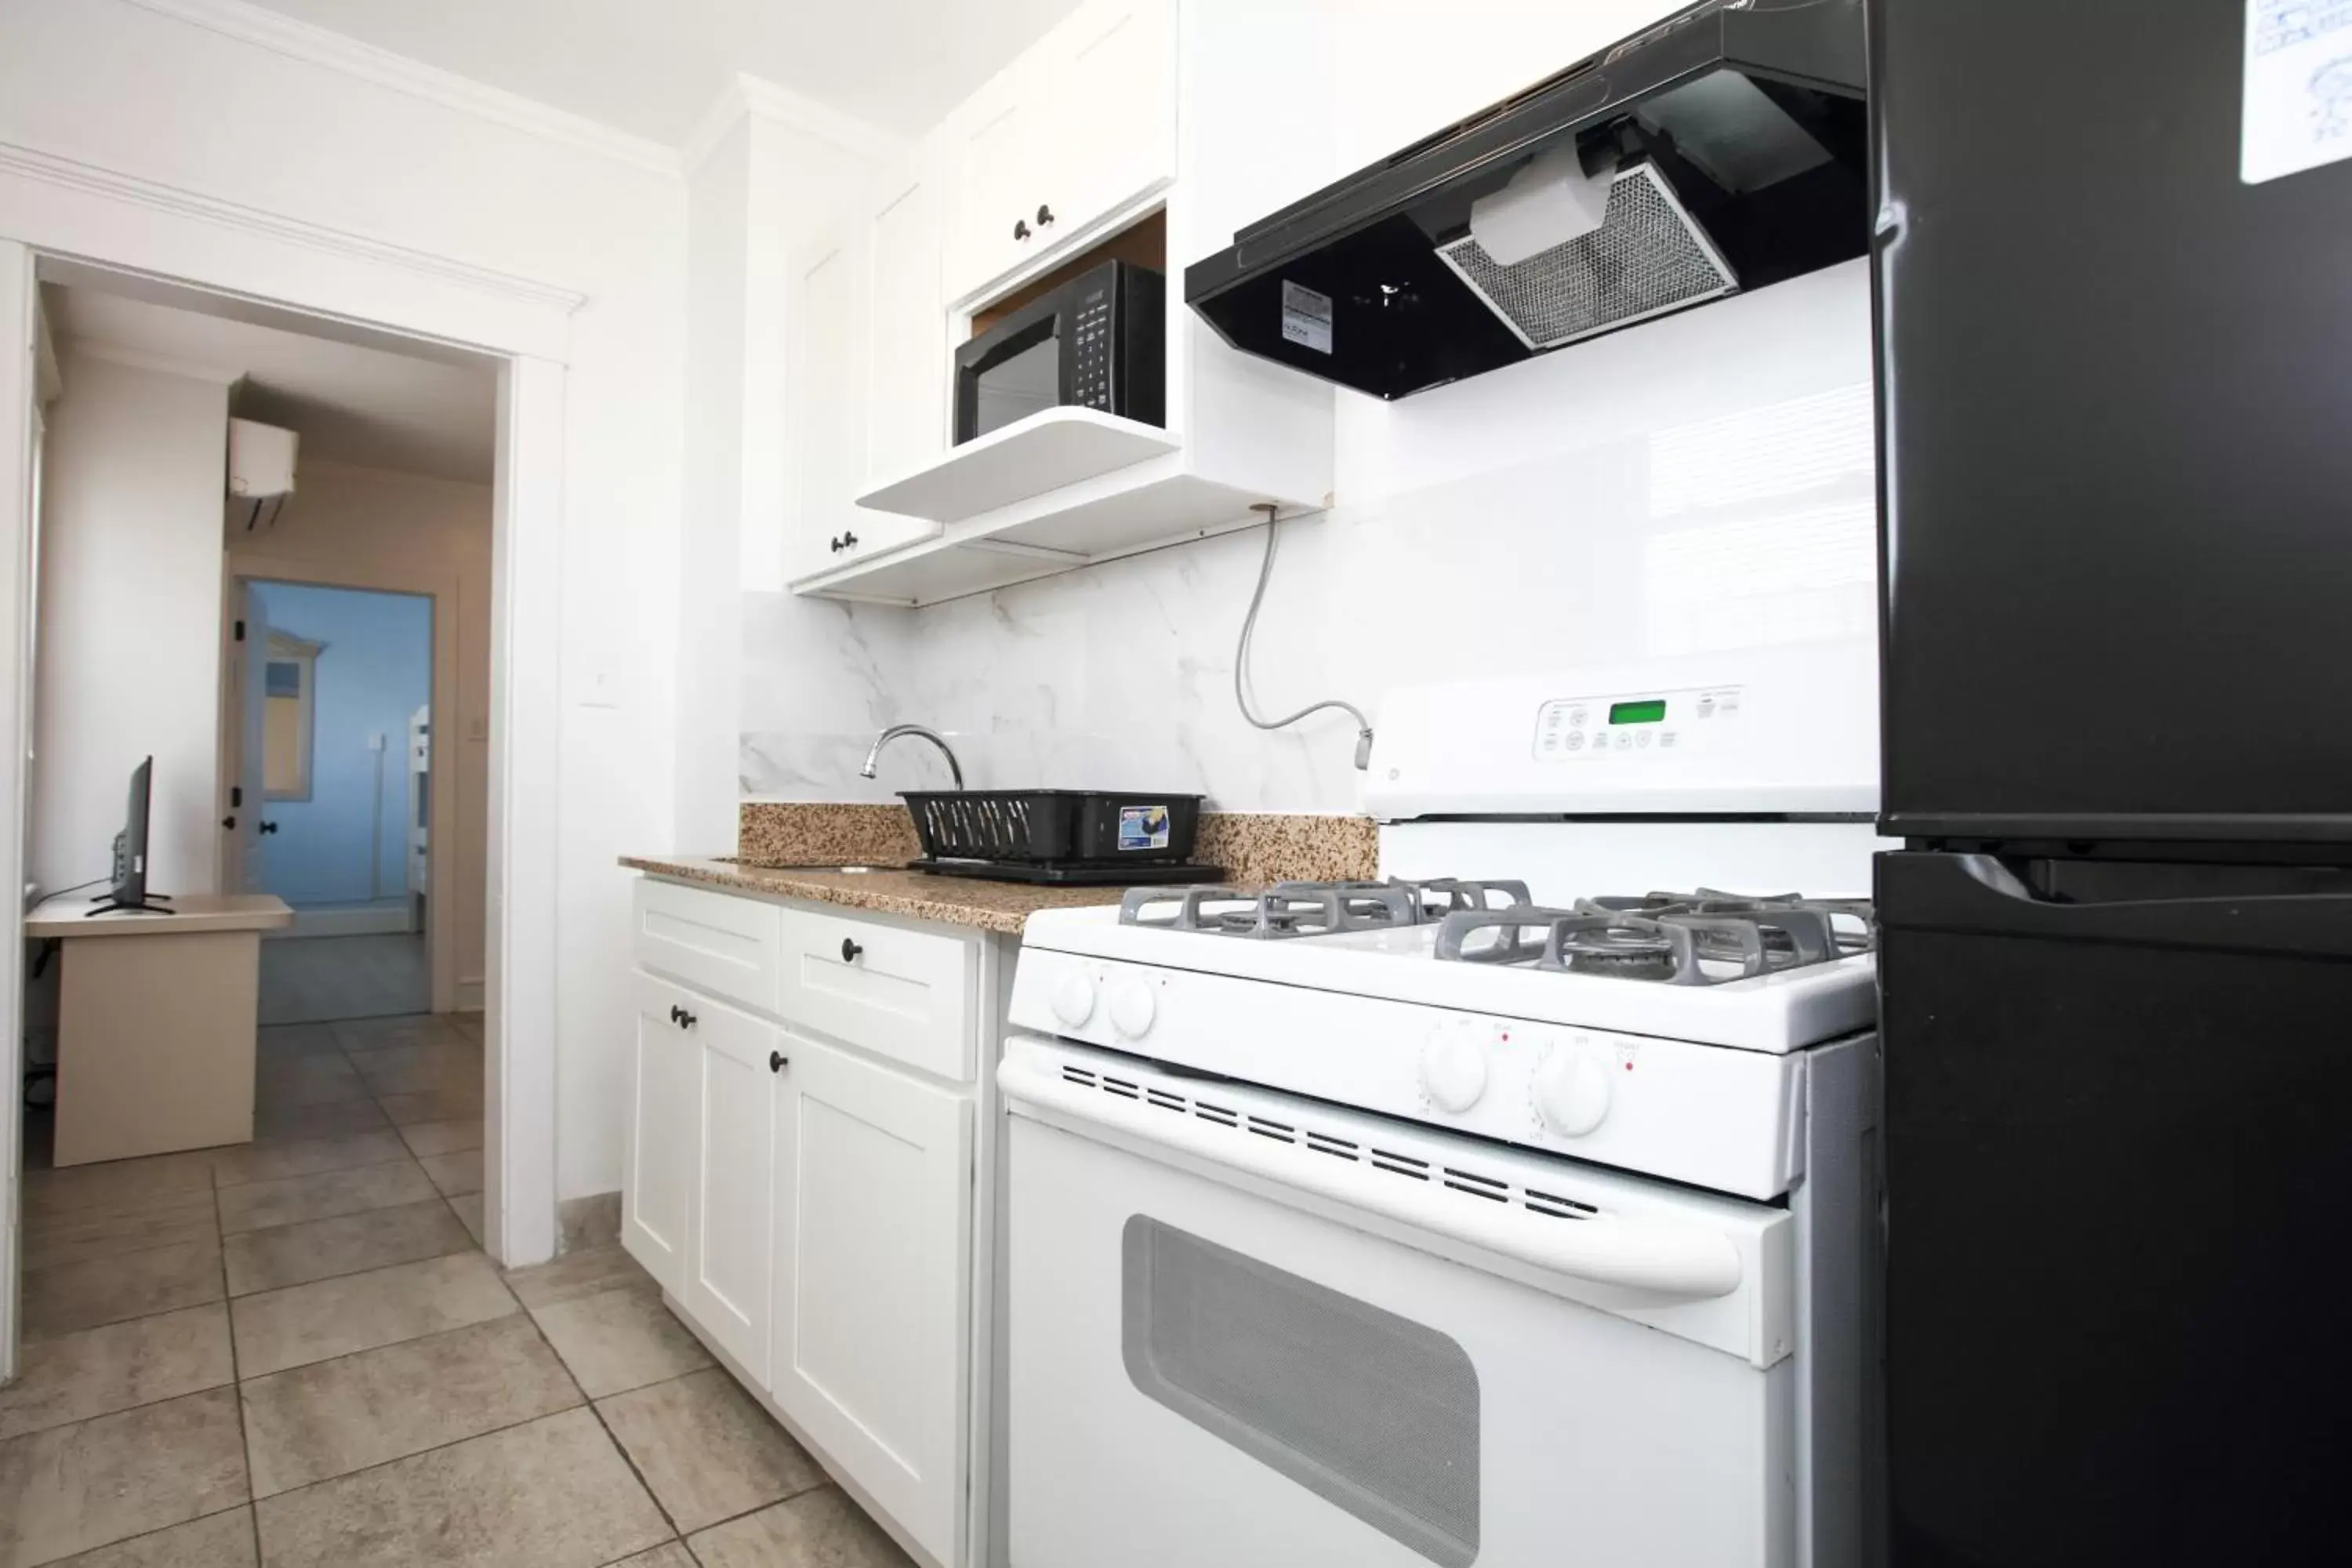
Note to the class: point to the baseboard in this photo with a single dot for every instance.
(470, 994)
(587, 1222)
(347, 920)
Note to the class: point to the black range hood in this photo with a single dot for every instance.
(1728, 147)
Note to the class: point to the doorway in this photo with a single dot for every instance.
(328, 705)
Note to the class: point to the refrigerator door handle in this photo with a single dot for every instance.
(1922, 890)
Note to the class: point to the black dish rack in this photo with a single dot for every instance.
(1067, 827)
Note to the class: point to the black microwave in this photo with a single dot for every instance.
(1099, 341)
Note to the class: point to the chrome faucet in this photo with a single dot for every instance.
(894, 731)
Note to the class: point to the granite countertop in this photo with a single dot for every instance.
(918, 895)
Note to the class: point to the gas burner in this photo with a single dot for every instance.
(1696, 939)
(1313, 909)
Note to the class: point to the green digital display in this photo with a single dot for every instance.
(1652, 710)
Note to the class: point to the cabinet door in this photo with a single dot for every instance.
(906, 333)
(658, 1137)
(995, 142)
(872, 1264)
(732, 1231)
(825, 390)
(1112, 85)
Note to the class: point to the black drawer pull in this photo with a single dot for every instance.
(778, 1061)
(849, 951)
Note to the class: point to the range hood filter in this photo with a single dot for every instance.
(1647, 257)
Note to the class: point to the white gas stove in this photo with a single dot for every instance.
(1366, 1223)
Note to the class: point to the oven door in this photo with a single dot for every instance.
(1211, 1365)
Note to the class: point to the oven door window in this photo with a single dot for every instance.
(1374, 1412)
(1022, 378)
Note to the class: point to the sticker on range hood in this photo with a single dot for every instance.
(2298, 103)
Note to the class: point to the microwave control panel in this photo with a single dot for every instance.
(1090, 355)
(1643, 726)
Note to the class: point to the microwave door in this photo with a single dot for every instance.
(1017, 374)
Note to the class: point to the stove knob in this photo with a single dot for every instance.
(1454, 1070)
(1572, 1092)
(1132, 1009)
(1074, 999)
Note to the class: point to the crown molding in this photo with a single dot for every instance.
(334, 51)
(746, 96)
(206, 371)
(95, 179)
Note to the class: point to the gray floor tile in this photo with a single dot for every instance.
(620, 1340)
(288, 1082)
(443, 1136)
(468, 1210)
(707, 1448)
(301, 1122)
(469, 1025)
(283, 1042)
(591, 1271)
(326, 1420)
(453, 1068)
(72, 1238)
(817, 1529)
(260, 1205)
(274, 1162)
(669, 1555)
(281, 1328)
(456, 1174)
(70, 1488)
(217, 1540)
(406, 1109)
(347, 1244)
(385, 1034)
(116, 1186)
(65, 1297)
(552, 1494)
(100, 1371)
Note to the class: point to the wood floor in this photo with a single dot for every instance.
(317, 979)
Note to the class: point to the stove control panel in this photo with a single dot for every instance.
(1629, 726)
(1570, 1089)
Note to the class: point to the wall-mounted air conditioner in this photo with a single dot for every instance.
(260, 467)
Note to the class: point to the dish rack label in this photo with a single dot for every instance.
(1142, 828)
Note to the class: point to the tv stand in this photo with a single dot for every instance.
(145, 904)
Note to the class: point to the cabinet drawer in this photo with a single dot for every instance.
(726, 946)
(904, 995)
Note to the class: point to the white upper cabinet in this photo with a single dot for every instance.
(825, 392)
(907, 325)
(1113, 69)
(1074, 128)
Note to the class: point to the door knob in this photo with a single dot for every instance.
(778, 1061)
(849, 951)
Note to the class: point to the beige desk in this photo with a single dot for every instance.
(155, 1023)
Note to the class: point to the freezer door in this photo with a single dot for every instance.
(2118, 1148)
(2113, 399)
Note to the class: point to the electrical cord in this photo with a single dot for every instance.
(1242, 654)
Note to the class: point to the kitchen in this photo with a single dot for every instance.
(1482, 794)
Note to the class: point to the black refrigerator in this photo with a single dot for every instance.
(2112, 283)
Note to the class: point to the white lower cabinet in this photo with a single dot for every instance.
(657, 1142)
(802, 1174)
(872, 1264)
(731, 1227)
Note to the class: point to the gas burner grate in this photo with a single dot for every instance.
(1680, 938)
(1314, 908)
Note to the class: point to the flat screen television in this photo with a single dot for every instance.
(129, 889)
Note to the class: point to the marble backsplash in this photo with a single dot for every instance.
(1702, 483)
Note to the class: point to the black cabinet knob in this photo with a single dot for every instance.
(269, 827)
(778, 1061)
(686, 1020)
(849, 541)
(1019, 228)
(835, 545)
(849, 951)
(229, 822)
(676, 1013)
(1044, 216)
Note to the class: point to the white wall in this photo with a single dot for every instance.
(129, 656)
(145, 93)
(343, 519)
(1703, 481)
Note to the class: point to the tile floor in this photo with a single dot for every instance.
(295, 1352)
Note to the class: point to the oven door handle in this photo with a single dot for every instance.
(1690, 1261)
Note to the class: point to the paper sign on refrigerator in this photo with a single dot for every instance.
(2298, 102)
